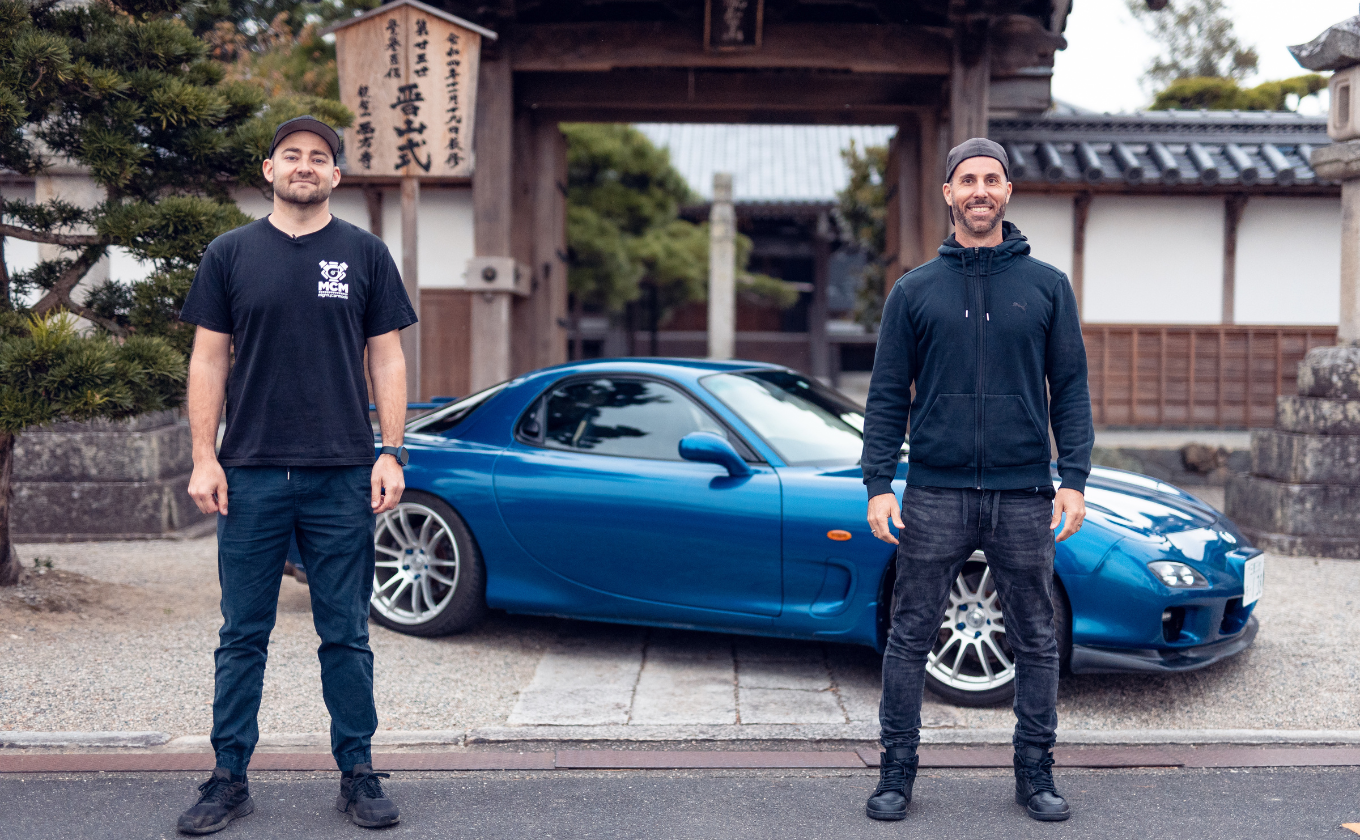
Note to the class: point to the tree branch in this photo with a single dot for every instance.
(60, 293)
(70, 240)
(90, 315)
(5, 302)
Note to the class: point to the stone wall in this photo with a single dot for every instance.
(104, 480)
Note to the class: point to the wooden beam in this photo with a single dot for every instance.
(858, 48)
(934, 214)
(492, 190)
(373, 200)
(970, 82)
(525, 315)
(550, 240)
(491, 186)
(909, 185)
(410, 261)
(1233, 205)
(827, 98)
(1081, 210)
(818, 312)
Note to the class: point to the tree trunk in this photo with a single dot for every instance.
(9, 562)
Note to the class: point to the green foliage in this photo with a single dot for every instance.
(1225, 94)
(127, 90)
(276, 60)
(624, 229)
(1197, 39)
(50, 372)
(863, 207)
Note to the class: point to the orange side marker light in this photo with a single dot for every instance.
(838, 535)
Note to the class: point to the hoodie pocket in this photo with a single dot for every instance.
(1010, 436)
(946, 434)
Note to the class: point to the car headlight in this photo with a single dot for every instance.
(1177, 575)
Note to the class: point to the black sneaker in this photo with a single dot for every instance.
(221, 802)
(1034, 785)
(896, 775)
(361, 796)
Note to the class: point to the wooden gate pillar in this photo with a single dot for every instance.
(970, 81)
(492, 200)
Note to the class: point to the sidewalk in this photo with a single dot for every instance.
(128, 648)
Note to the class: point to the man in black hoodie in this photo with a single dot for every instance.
(990, 339)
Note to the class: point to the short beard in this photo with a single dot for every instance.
(975, 227)
(290, 194)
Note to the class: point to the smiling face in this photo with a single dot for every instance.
(302, 170)
(977, 194)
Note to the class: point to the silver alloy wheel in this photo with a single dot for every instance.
(970, 652)
(416, 570)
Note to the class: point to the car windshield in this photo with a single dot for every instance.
(805, 422)
(441, 420)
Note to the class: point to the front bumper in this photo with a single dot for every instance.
(1102, 660)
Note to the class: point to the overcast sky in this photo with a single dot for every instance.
(1108, 50)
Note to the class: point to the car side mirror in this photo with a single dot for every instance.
(711, 448)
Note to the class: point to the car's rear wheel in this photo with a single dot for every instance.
(971, 663)
(428, 577)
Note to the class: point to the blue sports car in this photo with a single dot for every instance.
(726, 496)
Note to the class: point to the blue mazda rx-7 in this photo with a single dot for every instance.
(726, 496)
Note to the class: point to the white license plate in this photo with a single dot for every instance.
(1253, 579)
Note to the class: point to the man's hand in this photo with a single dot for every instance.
(208, 487)
(883, 509)
(388, 482)
(1073, 504)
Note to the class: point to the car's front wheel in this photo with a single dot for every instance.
(971, 663)
(428, 577)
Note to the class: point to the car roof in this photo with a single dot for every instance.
(678, 368)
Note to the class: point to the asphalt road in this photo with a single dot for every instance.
(710, 805)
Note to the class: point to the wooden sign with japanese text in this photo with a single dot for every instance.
(410, 77)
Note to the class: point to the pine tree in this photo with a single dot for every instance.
(125, 89)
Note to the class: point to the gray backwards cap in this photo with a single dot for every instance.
(975, 147)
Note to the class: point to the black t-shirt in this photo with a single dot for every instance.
(299, 311)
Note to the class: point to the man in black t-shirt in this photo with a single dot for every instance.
(299, 296)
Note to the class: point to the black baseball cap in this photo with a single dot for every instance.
(307, 122)
(975, 147)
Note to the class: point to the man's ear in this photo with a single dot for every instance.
(268, 168)
(335, 177)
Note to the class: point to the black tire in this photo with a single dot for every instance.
(442, 553)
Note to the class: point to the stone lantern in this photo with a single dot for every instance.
(1303, 493)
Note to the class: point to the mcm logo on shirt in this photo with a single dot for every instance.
(331, 275)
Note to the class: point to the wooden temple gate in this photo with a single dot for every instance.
(931, 67)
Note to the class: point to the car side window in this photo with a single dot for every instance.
(634, 418)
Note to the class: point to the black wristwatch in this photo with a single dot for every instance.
(398, 452)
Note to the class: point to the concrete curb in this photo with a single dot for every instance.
(83, 739)
(763, 732)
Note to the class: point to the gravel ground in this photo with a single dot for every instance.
(138, 655)
(134, 652)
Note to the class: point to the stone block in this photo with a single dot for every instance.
(1331, 372)
(102, 509)
(102, 451)
(1315, 415)
(1306, 459)
(1307, 511)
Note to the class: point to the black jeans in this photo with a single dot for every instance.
(327, 508)
(942, 528)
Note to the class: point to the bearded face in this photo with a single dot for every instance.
(977, 195)
(302, 170)
(304, 189)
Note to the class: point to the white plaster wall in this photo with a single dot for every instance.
(1154, 260)
(20, 254)
(1046, 221)
(445, 232)
(1289, 261)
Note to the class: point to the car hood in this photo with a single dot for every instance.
(1163, 518)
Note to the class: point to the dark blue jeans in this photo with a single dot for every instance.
(942, 528)
(327, 508)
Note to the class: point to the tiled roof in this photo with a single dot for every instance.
(802, 164)
(770, 164)
(1164, 147)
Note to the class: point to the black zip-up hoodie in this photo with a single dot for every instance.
(980, 331)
